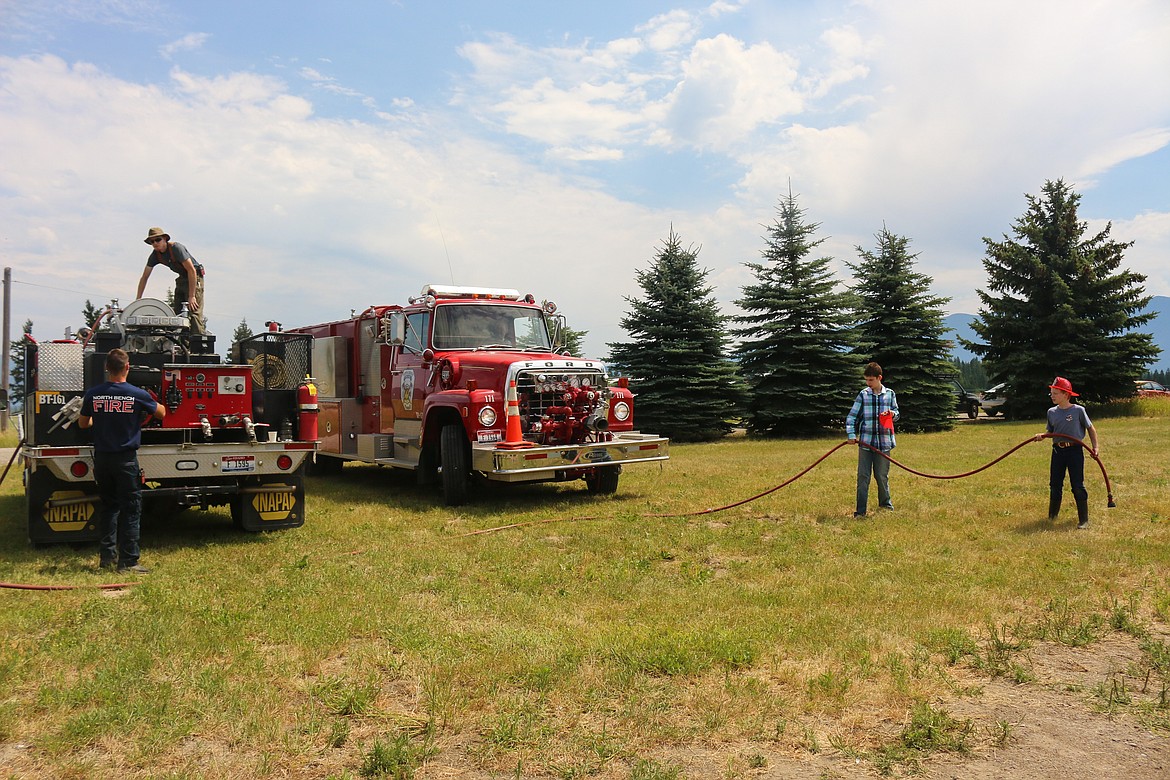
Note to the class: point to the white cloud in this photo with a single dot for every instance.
(189, 42)
(669, 31)
(931, 119)
(297, 218)
(1150, 234)
(38, 19)
(728, 91)
(1123, 149)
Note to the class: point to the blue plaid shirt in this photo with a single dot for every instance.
(862, 422)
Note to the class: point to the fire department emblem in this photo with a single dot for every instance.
(407, 388)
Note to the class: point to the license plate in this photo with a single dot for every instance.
(237, 464)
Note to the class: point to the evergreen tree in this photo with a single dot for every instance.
(1059, 306)
(241, 332)
(571, 341)
(794, 355)
(16, 384)
(970, 373)
(900, 327)
(89, 314)
(677, 362)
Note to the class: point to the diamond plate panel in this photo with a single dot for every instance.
(60, 367)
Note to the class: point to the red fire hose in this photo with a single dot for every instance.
(814, 464)
(100, 586)
(1029, 440)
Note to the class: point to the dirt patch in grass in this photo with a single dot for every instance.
(1058, 725)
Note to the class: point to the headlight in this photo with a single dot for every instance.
(621, 411)
(487, 416)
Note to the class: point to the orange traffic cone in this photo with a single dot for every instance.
(513, 436)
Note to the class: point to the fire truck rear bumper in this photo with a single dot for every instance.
(170, 462)
(263, 484)
(542, 463)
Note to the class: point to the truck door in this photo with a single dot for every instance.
(408, 375)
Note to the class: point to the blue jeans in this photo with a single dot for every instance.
(1071, 460)
(869, 461)
(119, 485)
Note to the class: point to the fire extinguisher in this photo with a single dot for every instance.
(307, 419)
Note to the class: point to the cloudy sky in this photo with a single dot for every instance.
(323, 157)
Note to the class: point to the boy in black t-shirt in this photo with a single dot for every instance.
(114, 410)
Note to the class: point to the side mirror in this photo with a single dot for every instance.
(558, 323)
(396, 329)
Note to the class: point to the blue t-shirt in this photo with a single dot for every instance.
(1073, 421)
(116, 409)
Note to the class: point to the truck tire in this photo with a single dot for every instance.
(455, 464)
(604, 481)
(973, 411)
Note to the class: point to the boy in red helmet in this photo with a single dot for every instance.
(1072, 420)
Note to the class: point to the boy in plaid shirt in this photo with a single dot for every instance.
(871, 421)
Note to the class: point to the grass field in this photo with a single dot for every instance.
(381, 641)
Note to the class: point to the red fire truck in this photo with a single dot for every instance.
(465, 383)
(234, 434)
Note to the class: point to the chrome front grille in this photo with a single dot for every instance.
(540, 389)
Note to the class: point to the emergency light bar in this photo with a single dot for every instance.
(484, 293)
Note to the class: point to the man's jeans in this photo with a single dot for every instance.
(869, 461)
(120, 488)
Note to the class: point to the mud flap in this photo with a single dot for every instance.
(271, 504)
(60, 511)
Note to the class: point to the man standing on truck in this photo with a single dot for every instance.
(188, 285)
(113, 409)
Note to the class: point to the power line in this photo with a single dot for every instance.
(50, 287)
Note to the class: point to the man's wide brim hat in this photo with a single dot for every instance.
(156, 232)
(1060, 383)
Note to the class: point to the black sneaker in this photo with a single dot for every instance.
(137, 568)
(107, 566)
(886, 506)
(859, 514)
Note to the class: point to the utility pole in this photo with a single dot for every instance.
(4, 356)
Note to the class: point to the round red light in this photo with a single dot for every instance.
(284, 463)
(78, 469)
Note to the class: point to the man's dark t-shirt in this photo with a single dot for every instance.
(174, 259)
(116, 409)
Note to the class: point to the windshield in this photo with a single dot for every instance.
(481, 326)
